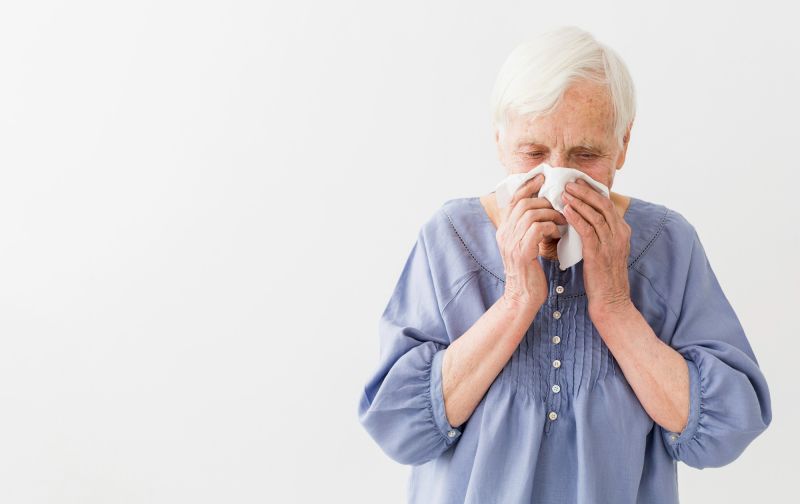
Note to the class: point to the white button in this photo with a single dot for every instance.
(552, 415)
(673, 437)
(451, 433)
(556, 363)
(556, 389)
(556, 340)
(556, 314)
(560, 289)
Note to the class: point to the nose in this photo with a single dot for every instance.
(558, 159)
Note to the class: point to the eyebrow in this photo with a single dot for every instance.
(585, 145)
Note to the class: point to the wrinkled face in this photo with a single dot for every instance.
(576, 134)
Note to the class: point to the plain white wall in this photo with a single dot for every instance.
(204, 207)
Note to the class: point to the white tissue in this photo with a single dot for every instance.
(569, 247)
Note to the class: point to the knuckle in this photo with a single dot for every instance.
(530, 215)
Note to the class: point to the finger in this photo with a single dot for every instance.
(582, 226)
(537, 205)
(529, 188)
(534, 215)
(596, 219)
(593, 198)
(525, 204)
(535, 234)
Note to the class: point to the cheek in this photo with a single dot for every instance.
(600, 171)
(521, 164)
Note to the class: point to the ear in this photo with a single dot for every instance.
(498, 142)
(624, 151)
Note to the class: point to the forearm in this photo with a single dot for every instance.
(472, 362)
(657, 373)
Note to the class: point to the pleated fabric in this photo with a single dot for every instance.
(560, 423)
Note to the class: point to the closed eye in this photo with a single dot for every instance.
(585, 155)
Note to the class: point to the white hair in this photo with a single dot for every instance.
(535, 75)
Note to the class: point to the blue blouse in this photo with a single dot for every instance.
(560, 423)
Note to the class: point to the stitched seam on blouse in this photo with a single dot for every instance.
(460, 288)
(649, 282)
(653, 239)
(630, 266)
(422, 242)
(463, 243)
(570, 296)
(641, 254)
(662, 224)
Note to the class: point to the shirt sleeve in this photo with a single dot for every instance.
(729, 398)
(402, 404)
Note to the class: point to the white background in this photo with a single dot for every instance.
(204, 207)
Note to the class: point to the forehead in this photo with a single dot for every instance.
(584, 116)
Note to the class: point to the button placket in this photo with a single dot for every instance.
(556, 362)
(556, 340)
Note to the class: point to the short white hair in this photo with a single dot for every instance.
(536, 74)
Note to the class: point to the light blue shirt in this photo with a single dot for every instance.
(560, 423)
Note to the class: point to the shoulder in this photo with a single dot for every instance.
(666, 251)
(459, 241)
(455, 229)
(657, 230)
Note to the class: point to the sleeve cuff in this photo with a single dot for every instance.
(450, 433)
(695, 407)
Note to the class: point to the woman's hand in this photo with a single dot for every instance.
(525, 223)
(493, 338)
(606, 246)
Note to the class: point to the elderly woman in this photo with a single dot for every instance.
(504, 378)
